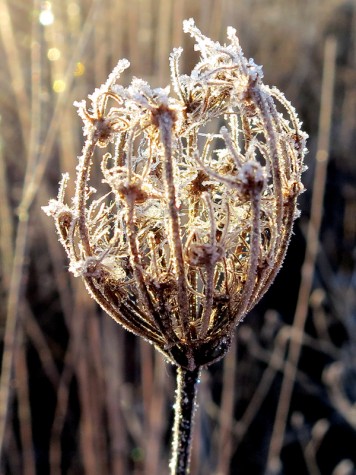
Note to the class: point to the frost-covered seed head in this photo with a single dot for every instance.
(198, 199)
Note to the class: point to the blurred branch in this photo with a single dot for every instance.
(18, 81)
(17, 272)
(24, 412)
(6, 230)
(327, 94)
(226, 422)
(33, 179)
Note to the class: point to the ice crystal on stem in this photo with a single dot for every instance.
(200, 195)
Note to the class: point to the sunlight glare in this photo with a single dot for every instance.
(46, 16)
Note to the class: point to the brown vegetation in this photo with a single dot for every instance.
(80, 396)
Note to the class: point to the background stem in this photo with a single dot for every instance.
(187, 385)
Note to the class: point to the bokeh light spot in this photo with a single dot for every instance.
(59, 85)
(53, 54)
(46, 17)
(79, 69)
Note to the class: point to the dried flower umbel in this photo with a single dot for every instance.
(198, 211)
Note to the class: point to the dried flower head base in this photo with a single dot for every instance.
(200, 197)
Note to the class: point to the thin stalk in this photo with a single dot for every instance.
(184, 408)
(166, 126)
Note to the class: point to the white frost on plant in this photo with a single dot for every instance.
(200, 194)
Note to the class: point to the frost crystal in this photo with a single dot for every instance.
(200, 198)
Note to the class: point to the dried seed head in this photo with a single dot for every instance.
(200, 199)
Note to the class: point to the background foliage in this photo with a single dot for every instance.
(78, 395)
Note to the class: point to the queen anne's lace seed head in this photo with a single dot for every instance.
(200, 200)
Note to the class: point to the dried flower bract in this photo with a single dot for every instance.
(200, 193)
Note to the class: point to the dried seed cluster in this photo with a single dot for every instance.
(200, 201)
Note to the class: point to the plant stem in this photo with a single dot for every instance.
(184, 408)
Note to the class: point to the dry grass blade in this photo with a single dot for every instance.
(6, 230)
(226, 422)
(22, 376)
(326, 108)
(16, 288)
(13, 59)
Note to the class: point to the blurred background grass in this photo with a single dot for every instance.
(78, 395)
